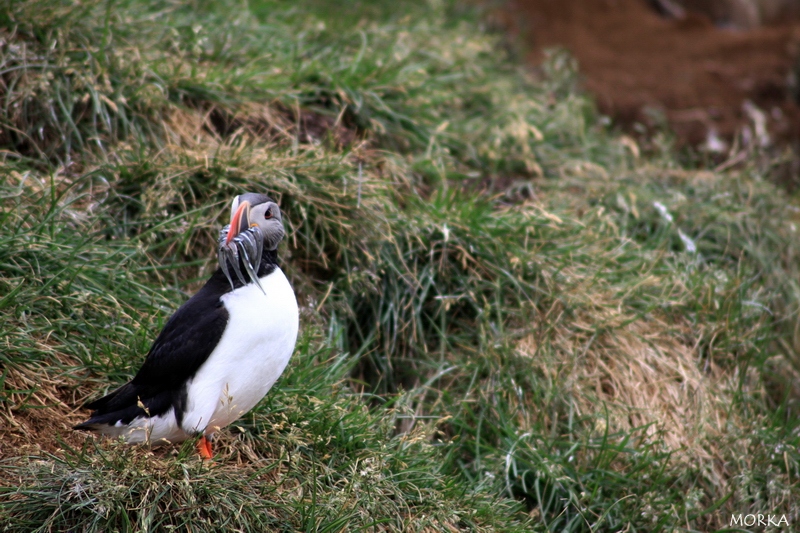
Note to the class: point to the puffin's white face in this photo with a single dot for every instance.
(257, 210)
(255, 225)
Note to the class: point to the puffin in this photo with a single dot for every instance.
(221, 351)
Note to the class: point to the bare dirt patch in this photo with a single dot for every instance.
(41, 419)
(697, 74)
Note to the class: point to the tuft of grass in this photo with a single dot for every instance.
(512, 320)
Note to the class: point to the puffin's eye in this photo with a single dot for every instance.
(268, 214)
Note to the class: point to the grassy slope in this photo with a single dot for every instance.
(501, 328)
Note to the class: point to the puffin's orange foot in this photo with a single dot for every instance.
(204, 447)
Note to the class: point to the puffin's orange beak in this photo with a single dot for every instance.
(240, 221)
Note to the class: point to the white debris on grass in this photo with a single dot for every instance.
(661, 208)
(690, 245)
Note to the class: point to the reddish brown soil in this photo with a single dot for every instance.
(697, 74)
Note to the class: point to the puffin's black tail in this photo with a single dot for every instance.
(124, 405)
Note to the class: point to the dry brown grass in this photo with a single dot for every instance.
(644, 374)
(651, 373)
(41, 415)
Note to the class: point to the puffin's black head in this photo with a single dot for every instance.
(253, 209)
(255, 225)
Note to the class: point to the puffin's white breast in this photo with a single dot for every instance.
(251, 355)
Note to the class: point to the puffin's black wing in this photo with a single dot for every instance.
(185, 343)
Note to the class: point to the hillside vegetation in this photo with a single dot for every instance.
(511, 320)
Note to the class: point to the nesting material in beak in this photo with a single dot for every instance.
(241, 243)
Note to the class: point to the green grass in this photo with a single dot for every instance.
(504, 326)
